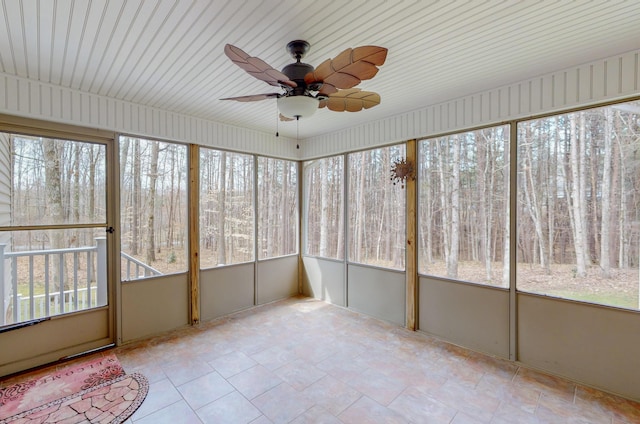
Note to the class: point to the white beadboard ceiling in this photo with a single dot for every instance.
(168, 54)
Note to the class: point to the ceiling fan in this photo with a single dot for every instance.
(306, 89)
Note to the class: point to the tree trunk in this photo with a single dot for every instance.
(339, 176)
(137, 195)
(53, 190)
(530, 186)
(452, 264)
(92, 182)
(172, 199)
(324, 205)
(76, 183)
(151, 204)
(359, 224)
(507, 211)
(222, 190)
(605, 221)
(577, 216)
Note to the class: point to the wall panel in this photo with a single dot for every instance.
(590, 344)
(37, 100)
(377, 292)
(226, 289)
(277, 279)
(469, 315)
(152, 306)
(605, 80)
(324, 279)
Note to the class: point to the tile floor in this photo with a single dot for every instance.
(304, 361)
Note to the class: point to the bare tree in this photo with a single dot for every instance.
(605, 221)
(577, 210)
(51, 153)
(222, 192)
(150, 249)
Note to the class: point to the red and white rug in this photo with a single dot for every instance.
(96, 391)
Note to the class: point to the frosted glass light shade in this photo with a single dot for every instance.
(301, 106)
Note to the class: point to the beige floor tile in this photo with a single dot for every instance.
(255, 381)
(232, 363)
(205, 389)
(367, 411)
(182, 370)
(230, 409)
(178, 412)
(161, 394)
(332, 394)
(299, 374)
(378, 386)
(546, 383)
(316, 415)
(420, 407)
(282, 404)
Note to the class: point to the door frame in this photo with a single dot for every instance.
(30, 344)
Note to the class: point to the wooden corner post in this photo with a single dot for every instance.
(411, 268)
(194, 230)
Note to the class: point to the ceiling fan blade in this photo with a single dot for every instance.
(349, 68)
(351, 100)
(327, 89)
(254, 97)
(285, 118)
(257, 67)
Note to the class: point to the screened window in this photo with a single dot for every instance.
(47, 271)
(153, 207)
(226, 208)
(277, 208)
(324, 207)
(55, 182)
(376, 209)
(464, 206)
(579, 205)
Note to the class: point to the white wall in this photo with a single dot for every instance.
(33, 99)
(601, 81)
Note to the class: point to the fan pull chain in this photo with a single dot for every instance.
(297, 132)
(277, 133)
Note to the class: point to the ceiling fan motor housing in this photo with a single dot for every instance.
(296, 72)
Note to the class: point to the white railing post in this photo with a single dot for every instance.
(3, 302)
(17, 315)
(101, 270)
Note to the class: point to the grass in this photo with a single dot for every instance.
(606, 298)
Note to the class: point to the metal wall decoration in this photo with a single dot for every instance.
(401, 171)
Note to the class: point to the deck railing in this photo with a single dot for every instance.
(84, 289)
(134, 269)
(75, 288)
(34, 307)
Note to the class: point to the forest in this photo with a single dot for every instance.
(153, 192)
(376, 208)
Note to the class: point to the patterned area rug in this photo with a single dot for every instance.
(94, 391)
